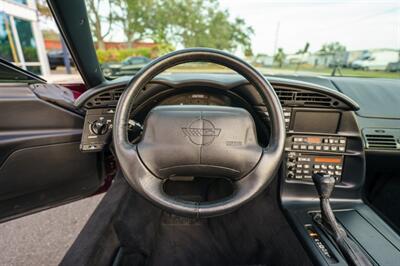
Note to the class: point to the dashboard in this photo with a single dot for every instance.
(322, 132)
(333, 125)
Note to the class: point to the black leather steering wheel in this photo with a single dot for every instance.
(210, 141)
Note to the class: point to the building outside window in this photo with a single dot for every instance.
(21, 40)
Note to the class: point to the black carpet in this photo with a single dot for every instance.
(385, 197)
(256, 234)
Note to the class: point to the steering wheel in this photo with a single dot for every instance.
(210, 141)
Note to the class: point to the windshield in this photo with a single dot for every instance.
(342, 38)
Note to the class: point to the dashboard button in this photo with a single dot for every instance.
(291, 166)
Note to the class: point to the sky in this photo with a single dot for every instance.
(356, 24)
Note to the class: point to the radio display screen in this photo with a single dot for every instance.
(322, 122)
(313, 140)
(328, 159)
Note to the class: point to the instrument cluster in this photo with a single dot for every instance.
(196, 98)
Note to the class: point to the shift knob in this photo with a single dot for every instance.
(324, 184)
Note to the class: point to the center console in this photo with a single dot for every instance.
(329, 142)
(320, 141)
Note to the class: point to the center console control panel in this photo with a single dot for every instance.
(97, 129)
(306, 155)
(318, 143)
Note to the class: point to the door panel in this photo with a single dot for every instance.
(40, 161)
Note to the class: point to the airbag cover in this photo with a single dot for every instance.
(209, 141)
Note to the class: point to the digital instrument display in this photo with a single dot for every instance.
(196, 98)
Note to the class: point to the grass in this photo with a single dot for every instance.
(347, 72)
(288, 70)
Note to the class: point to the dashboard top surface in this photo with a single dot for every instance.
(374, 101)
(222, 81)
(378, 98)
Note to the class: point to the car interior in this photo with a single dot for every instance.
(205, 168)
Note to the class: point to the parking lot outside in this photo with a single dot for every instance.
(43, 238)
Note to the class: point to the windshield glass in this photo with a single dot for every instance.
(342, 38)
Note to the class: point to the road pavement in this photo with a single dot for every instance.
(44, 237)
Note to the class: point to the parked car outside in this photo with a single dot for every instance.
(129, 66)
(393, 67)
(378, 60)
(56, 59)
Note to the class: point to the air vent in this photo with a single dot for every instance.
(387, 139)
(109, 98)
(312, 99)
(381, 141)
(285, 95)
(104, 97)
(299, 97)
(117, 94)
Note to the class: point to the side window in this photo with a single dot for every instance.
(29, 39)
(7, 43)
(28, 45)
(135, 61)
(19, 45)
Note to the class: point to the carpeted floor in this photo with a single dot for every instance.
(256, 234)
(385, 197)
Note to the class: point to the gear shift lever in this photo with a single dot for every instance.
(351, 251)
(325, 185)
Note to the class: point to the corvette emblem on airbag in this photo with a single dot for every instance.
(201, 132)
